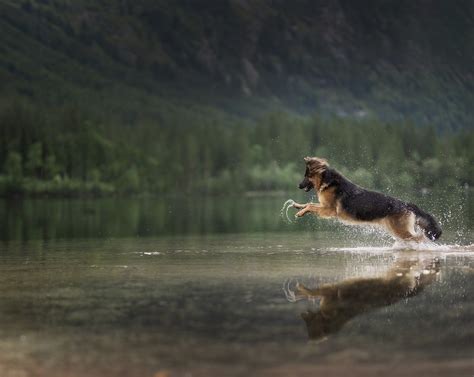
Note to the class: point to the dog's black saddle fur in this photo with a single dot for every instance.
(364, 205)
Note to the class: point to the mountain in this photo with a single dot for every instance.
(138, 59)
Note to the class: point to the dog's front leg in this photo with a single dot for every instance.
(302, 291)
(309, 207)
(299, 206)
(317, 209)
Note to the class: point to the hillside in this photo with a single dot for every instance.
(138, 60)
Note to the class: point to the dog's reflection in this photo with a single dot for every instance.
(343, 301)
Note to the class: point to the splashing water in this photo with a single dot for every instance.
(405, 246)
(284, 211)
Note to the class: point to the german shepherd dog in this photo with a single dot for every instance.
(340, 198)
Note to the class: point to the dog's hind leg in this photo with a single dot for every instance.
(402, 226)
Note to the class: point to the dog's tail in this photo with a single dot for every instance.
(426, 222)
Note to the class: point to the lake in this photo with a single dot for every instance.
(203, 286)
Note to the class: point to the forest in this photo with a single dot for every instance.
(70, 153)
(218, 97)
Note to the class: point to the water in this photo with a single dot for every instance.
(181, 287)
(285, 210)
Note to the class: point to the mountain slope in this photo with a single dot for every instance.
(137, 59)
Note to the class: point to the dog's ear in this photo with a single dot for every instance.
(316, 165)
(321, 161)
(316, 160)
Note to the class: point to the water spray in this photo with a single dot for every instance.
(284, 211)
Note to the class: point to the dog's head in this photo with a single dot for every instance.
(314, 168)
(320, 326)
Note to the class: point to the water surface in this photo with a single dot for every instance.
(173, 287)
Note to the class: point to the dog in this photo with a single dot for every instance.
(340, 302)
(341, 199)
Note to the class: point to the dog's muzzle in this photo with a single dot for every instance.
(305, 184)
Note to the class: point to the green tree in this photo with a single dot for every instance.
(13, 167)
(34, 160)
(129, 182)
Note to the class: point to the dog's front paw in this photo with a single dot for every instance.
(301, 213)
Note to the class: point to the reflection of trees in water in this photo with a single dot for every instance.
(63, 218)
(126, 217)
(130, 217)
(340, 302)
